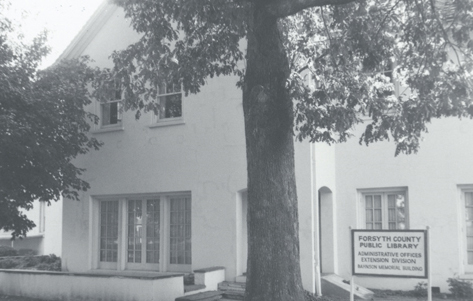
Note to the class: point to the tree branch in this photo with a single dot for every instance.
(284, 8)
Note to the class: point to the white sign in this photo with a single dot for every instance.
(393, 253)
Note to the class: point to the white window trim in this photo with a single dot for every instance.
(99, 128)
(121, 264)
(360, 204)
(160, 122)
(465, 269)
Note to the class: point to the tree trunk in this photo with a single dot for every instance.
(273, 228)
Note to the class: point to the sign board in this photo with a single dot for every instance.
(392, 253)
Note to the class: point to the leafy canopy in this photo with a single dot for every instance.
(397, 63)
(44, 127)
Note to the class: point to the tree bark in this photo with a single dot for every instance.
(273, 230)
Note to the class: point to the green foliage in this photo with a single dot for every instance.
(25, 252)
(399, 63)
(420, 290)
(460, 289)
(359, 54)
(44, 127)
(392, 65)
(7, 251)
(44, 262)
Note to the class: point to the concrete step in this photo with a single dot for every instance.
(334, 285)
(193, 287)
(205, 296)
(232, 290)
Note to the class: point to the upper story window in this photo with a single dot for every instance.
(170, 101)
(111, 110)
(384, 209)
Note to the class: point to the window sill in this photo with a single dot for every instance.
(165, 122)
(108, 129)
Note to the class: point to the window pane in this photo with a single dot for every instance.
(389, 206)
(111, 113)
(108, 231)
(396, 212)
(469, 199)
(377, 201)
(378, 214)
(369, 215)
(135, 230)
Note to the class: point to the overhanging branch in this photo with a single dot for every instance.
(284, 8)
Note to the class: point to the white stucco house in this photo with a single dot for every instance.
(168, 193)
(46, 237)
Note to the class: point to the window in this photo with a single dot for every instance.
(384, 209)
(170, 101)
(111, 110)
(146, 233)
(468, 196)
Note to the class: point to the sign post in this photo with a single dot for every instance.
(391, 253)
(429, 273)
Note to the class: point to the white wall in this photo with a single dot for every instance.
(45, 237)
(205, 155)
(431, 177)
(61, 286)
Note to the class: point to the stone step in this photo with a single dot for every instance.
(227, 285)
(334, 285)
(205, 296)
(232, 290)
(193, 287)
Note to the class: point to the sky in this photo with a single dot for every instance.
(62, 18)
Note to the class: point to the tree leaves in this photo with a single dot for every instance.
(44, 127)
(397, 63)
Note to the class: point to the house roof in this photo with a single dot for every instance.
(88, 32)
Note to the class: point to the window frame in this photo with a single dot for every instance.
(466, 268)
(119, 122)
(122, 263)
(164, 121)
(115, 97)
(384, 192)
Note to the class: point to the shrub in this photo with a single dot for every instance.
(420, 290)
(46, 262)
(7, 251)
(8, 264)
(461, 289)
(26, 252)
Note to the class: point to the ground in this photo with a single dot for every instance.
(381, 298)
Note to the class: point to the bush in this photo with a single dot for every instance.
(46, 263)
(26, 252)
(420, 290)
(461, 289)
(7, 251)
(8, 264)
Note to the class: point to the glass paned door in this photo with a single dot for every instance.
(153, 228)
(180, 231)
(143, 234)
(135, 230)
(108, 253)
